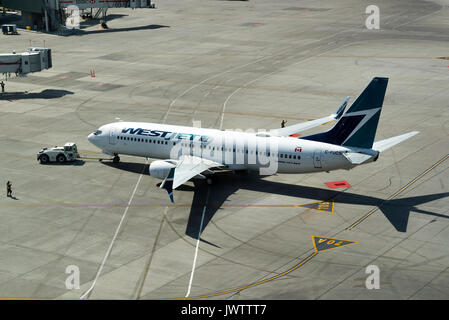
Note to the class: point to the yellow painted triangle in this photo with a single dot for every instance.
(320, 205)
(325, 243)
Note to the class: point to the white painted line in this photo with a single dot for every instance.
(197, 244)
(207, 79)
(108, 252)
(266, 75)
(146, 270)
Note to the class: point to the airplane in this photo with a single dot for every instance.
(196, 153)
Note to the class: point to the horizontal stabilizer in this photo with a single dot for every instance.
(390, 142)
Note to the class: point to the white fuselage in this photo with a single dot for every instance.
(235, 150)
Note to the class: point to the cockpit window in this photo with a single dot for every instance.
(97, 132)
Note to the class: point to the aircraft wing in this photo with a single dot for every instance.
(190, 166)
(283, 132)
(187, 168)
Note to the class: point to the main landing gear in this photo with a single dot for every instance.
(116, 159)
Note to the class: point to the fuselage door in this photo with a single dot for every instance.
(317, 158)
(112, 136)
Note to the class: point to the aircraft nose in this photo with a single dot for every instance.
(91, 137)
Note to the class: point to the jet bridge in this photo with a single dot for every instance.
(88, 4)
(51, 14)
(33, 60)
(69, 6)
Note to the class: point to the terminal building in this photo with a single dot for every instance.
(52, 14)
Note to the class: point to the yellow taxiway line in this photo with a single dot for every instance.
(142, 205)
(252, 284)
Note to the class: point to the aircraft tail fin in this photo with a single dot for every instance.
(358, 126)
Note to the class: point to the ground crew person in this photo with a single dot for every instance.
(3, 86)
(8, 189)
(283, 123)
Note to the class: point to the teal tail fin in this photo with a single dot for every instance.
(357, 127)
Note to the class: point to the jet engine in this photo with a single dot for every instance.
(161, 168)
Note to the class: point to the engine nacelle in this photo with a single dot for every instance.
(161, 168)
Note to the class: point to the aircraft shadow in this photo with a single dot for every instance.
(127, 166)
(138, 168)
(397, 211)
(201, 203)
(44, 94)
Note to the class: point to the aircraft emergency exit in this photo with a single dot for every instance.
(190, 152)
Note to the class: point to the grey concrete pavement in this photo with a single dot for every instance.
(236, 65)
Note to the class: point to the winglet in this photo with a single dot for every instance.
(167, 184)
(341, 108)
